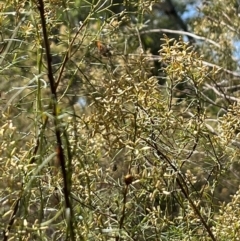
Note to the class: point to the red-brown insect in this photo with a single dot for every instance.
(128, 179)
(103, 49)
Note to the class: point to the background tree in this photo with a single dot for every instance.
(105, 134)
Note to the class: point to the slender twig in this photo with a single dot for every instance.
(181, 32)
(11, 221)
(58, 133)
(140, 41)
(183, 186)
(234, 73)
(66, 58)
(11, 40)
(68, 54)
(205, 63)
(222, 95)
(128, 181)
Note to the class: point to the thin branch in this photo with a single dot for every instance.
(3, 54)
(60, 152)
(180, 32)
(184, 188)
(233, 73)
(12, 219)
(222, 95)
(67, 56)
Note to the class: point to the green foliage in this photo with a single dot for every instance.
(92, 147)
